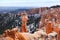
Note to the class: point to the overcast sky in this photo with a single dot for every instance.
(28, 3)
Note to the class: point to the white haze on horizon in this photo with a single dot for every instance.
(28, 3)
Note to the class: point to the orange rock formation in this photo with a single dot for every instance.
(24, 21)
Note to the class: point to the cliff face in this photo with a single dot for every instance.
(47, 14)
(37, 10)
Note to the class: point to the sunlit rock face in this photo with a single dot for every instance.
(49, 26)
